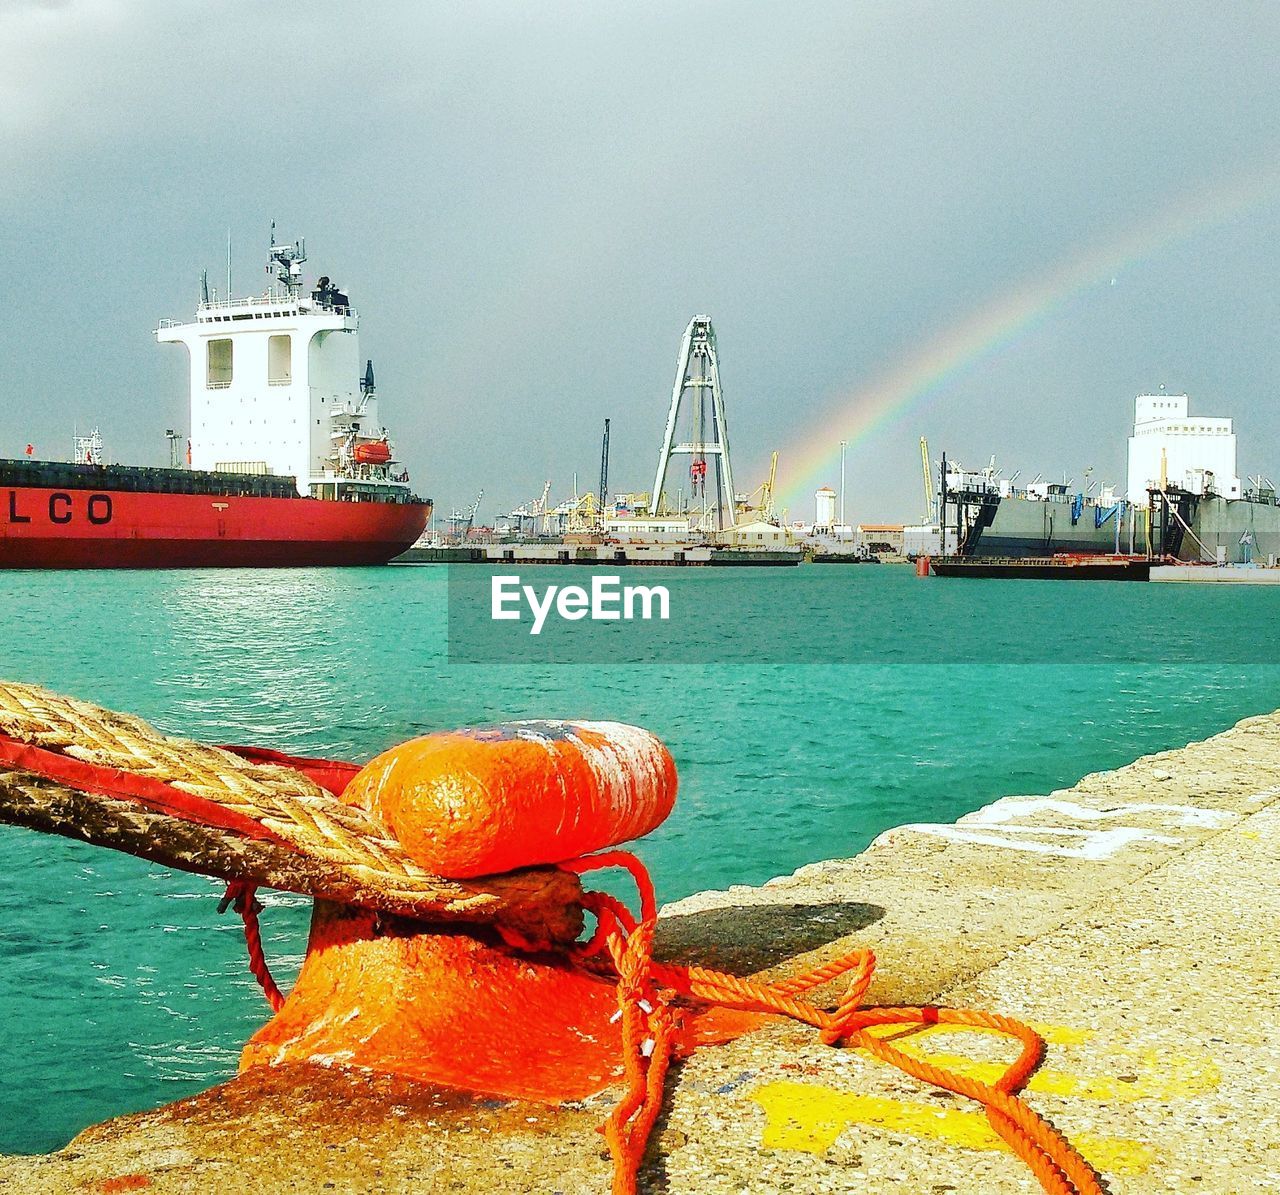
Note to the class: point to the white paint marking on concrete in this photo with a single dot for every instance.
(1264, 796)
(1094, 844)
(1009, 808)
(1091, 844)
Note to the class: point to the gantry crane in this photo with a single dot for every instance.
(532, 512)
(697, 387)
(461, 522)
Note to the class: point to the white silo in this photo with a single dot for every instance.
(825, 504)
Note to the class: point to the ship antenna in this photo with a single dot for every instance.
(286, 261)
(228, 265)
(204, 287)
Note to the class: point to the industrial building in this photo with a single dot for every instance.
(880, 537)
(653, 531)
(755, 535)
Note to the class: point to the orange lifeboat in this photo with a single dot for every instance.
(377, 452)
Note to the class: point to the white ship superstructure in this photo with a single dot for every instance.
(278, 386)
(1169, 446)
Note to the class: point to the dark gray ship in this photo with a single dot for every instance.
(986, 516)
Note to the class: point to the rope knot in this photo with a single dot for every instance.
(237, 893)
(649, 1026)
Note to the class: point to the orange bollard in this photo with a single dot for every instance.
(478, 802)
(442, 1008)
(388, 995)
(393, 995)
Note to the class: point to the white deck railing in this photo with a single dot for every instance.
(261, 306)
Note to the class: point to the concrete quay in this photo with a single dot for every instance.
(604, 555)
(1130, 918)
(1216, 574)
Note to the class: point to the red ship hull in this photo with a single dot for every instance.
(107, 528)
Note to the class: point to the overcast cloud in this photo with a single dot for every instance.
(527, 202)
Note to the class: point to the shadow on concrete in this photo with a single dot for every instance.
(747, 938)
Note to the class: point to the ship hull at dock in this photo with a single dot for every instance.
(1024, 527)
(1239, 530)
(42, 528)
(1050, 568)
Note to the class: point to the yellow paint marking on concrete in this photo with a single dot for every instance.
(1055, 1035)
(1134, 1074)
(1146, 1076)
(809, 1118)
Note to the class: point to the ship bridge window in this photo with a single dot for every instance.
(218, 376)
(279, 361)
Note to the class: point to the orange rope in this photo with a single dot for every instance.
(649, 1024)
(240, 895)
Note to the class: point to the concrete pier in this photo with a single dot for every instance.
(1216, 574)
(604, 555)
(1131, 919)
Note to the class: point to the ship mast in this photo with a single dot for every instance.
(286, 261)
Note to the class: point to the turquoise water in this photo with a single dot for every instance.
(120, 986)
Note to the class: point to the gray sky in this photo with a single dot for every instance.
(527, 202)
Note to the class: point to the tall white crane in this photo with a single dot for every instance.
(698, 374)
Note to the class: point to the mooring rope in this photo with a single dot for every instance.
(279, 798)
(646, 989)
(243, 897)
(79, 747)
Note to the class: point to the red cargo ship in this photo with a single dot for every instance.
(93, 516)
(291, 465)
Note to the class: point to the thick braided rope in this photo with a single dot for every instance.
(286, 802)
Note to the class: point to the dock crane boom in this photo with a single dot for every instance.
(604, 469)
(461, 522)
(930, 506)
(768, 486)
(471, 514)
(542, 510)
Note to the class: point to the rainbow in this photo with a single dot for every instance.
(814, 459)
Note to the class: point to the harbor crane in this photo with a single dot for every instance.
(532, 512)
(604, 470)
(542, 510)
(581, 514)
(461, 522)
(767, 500)
(930, 503)
(697, 388)
(760, 501)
